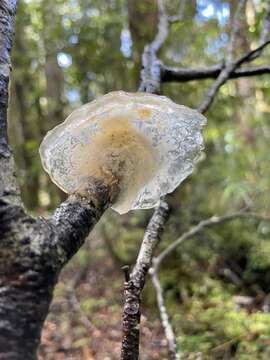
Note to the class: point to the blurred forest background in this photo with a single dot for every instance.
(217, 284)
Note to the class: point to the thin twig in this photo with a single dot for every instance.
(181, 74)
(163, 27)
(221, 80)
(73, 300)
(167, 327)
(252, 54)
(156, 262)
(230, 65)
(213, 220)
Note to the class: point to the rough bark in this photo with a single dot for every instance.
(134, 284)
(8, 185)
(31, 256)
(6, 33)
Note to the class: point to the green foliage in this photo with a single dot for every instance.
(211, 324)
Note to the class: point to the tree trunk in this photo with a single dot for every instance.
(32, 254)
(51, 24)
(141, 34)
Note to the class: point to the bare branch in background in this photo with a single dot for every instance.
(167, 327)
(221, 80)
(163, 27)
(226, 73)
(235, 30)
(156, 262)
(179, 74)
(265, 26)
(231, 65)
(212, 221)
(73, 300)
(150, 73)
(180, 16)
(151, 237)
(232, 276)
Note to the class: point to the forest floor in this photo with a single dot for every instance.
(85, 322)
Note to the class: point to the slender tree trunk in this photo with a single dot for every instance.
(53, 73)
(141, 34)
(51, 25)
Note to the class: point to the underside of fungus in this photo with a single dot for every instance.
(144, 144)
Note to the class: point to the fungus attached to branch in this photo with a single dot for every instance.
(144, 144)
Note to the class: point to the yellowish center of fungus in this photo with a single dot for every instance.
(144, 113)
(118, 153)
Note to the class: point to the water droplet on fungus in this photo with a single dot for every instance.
(144, 142)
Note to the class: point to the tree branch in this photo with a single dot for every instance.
(265, 25)
(180, 16)
(213, 220)
(171, 74)
(32, 254)
(235, 30)
(252, 54)
(74, 219)
(230, 65)
(221, 80)
(8, 186)
(167, 327)
(156, 262)
(225, 74)
(7, 14)
(150, 73)
(73, 300)
(150, 82)
(135, 283)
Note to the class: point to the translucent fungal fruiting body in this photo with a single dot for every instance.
(144, 142)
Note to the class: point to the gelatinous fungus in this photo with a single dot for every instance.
(145, 143)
